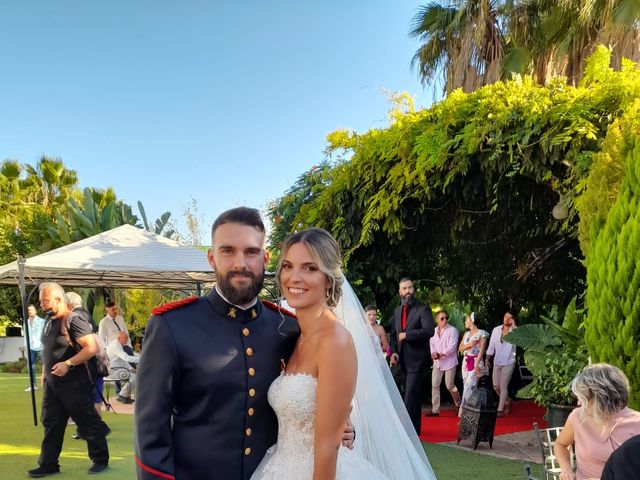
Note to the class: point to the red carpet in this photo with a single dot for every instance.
(445, 427)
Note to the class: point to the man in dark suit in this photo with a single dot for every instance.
(412, 326)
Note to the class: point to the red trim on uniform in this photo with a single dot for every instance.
(278, 308)
(153, 471)
(173, 305)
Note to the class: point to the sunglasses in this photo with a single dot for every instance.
(444, 318)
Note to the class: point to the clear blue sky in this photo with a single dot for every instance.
(225, 102)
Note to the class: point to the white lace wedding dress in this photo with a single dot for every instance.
(386, 446)
(293, 398)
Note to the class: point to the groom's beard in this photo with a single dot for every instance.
(240, 296)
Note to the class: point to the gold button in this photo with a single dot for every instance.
(252, 392)
(252, 371)
(245, 332)
(247, 451)
(249, 351)
(251, 411)
(248, 432)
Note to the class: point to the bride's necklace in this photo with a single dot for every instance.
(304, 336)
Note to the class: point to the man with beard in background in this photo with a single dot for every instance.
(412, 326)
(207, 363)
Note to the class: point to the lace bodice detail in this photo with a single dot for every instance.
(293, 398)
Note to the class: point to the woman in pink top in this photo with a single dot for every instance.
(599, 425)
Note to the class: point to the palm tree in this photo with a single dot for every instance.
(574, 28)
(462, 41)
(10, 172)
(50, 182)
(471, 43)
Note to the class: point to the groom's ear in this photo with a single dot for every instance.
(267, 256)
(210, 259)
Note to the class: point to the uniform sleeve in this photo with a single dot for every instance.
(157, 382)
(427, 326)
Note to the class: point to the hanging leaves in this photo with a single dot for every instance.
(461, 193)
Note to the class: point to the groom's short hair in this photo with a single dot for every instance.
(242, 215)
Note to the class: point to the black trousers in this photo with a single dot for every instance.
(71, 398)
(412, 383)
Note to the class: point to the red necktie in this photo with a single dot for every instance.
(404, 318)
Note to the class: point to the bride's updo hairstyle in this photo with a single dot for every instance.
(326, 253)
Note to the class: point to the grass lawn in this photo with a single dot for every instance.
(20, 445)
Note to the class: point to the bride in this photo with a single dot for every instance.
(334, 367)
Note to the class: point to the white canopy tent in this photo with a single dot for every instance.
(124, 257)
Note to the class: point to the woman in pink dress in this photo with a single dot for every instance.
(600, 424)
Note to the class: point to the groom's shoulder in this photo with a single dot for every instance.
(277, 308)
(175, 305)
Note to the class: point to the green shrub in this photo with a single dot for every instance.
(554, 353)
(19, 366)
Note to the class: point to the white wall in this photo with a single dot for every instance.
(10, 349)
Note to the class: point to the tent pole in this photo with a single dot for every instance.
(199, 289)
(23, 297)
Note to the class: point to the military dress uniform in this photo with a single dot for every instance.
(201, 404)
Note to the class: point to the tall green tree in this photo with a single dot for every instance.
(28, 197)
(612, 327)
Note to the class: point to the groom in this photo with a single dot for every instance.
(207, 363)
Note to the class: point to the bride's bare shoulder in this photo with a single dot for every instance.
(336, 338)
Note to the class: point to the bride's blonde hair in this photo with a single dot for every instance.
(326, 253)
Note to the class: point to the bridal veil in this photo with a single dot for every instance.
(385, 435)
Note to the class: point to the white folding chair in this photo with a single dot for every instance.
(546, 439)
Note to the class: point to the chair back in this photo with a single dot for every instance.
(546, 439)
(525, 374)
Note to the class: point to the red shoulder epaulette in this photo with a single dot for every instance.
(277, 308)
(173, 305)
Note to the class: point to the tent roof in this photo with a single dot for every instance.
(124, 257)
